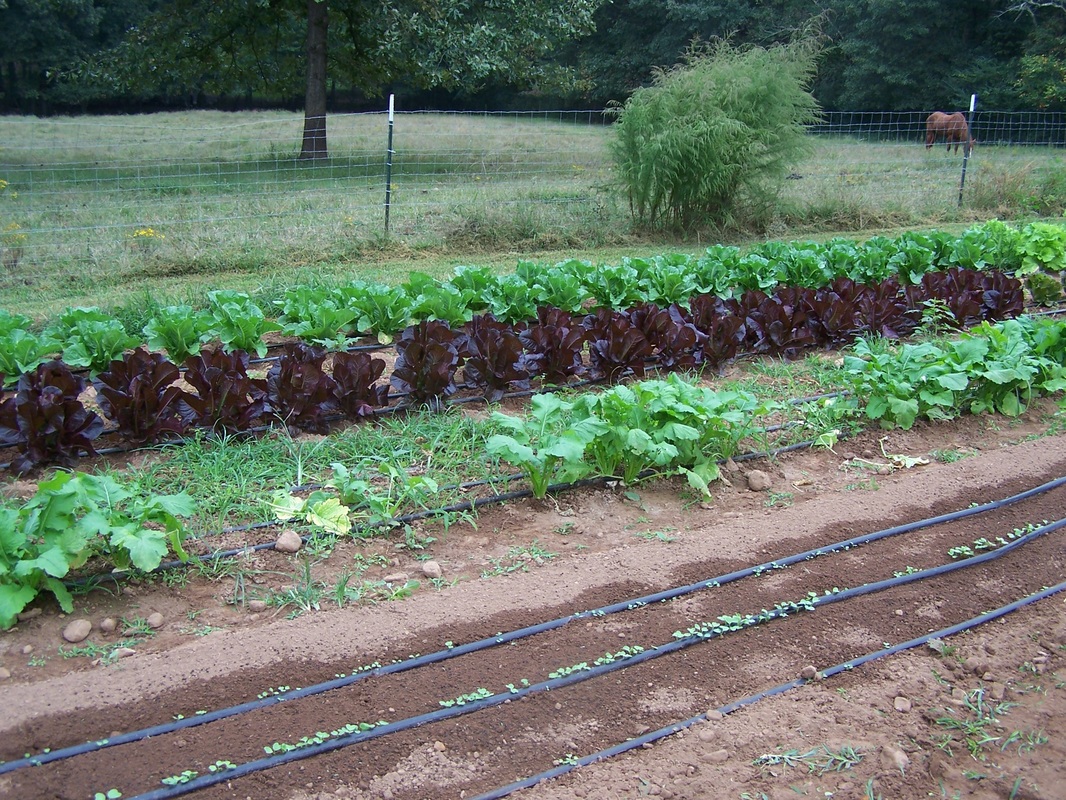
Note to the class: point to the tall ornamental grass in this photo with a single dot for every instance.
(712, 140)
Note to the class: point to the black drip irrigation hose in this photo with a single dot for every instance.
(521, 633)
(729, 708)
(340, 742)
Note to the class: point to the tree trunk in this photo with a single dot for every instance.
(314, 141)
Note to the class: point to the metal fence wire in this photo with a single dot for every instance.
(147, 193)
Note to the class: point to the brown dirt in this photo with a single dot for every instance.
(608, 546)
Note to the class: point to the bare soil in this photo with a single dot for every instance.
(983, 717)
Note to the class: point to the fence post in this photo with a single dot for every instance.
(966, 145)
(388, 166)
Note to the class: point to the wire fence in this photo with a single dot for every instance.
(88, 199)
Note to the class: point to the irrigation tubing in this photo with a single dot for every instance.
(578, 676)
(521, 633)
(729, 708)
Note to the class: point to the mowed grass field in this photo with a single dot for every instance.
(101, 209)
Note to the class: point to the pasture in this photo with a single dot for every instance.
(172, 204)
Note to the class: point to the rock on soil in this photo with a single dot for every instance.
(759, 481)
(77, 630)
(288, 542)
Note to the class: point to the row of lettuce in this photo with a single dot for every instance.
(145, 398)
(659, 427)
(334, 317)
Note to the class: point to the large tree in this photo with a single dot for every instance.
(275, 46)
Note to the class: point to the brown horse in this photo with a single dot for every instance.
(950, 127)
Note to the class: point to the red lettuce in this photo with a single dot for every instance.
(354, 378)
(46, 420)
(299, 392)
(138, 393)
(225, 396)
(496, 361)
(554, 345)
(428, 356)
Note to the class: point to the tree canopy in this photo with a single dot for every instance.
(890, 55)
(275, 47)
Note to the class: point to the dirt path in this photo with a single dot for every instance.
(984, 718)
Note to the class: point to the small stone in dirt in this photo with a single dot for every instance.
(714, 715)
(77, 630)
(997, 690)
(439, 746)
(758, 481)
(396, 577)
(809, 672)
(288, 542)
(5, 673)
(155, 621)
(706, 734)
(108, 624)
(718, 756)
(124, 652)
(26, 616)
(257, 606)
(976, 665)
(894, 757)
(902, 704)
(431, 569)
(26, 649)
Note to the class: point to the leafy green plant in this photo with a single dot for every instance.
(381, 310)
(545, 446)
(319, 509)
(480, 693)
(434, 300)
(1043, 248)
(997, 368)
(1043, 289)
(89, 338)
(380, 499)
(21, 352)
(180, 330)
(72, 517)
(559, 287)
(668, 425)
(317, 316)
(239, 322)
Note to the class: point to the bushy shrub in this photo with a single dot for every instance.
(714, 138)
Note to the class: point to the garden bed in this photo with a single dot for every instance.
(532, 561)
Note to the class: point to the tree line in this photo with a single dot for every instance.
(58, 56)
